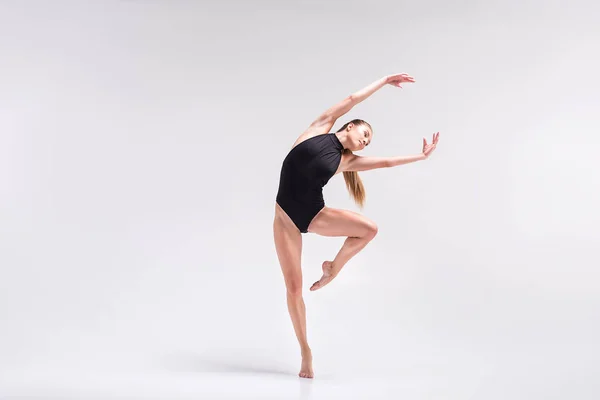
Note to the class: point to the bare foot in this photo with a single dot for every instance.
(328, 275)
(306, 370)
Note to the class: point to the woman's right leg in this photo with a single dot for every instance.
(288, 243)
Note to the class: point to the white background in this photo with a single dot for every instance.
(140, 150)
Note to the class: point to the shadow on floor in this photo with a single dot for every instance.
(225, 363)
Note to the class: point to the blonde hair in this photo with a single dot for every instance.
(353, 182)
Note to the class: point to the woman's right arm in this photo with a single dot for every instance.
(367, 91)
(333, 113)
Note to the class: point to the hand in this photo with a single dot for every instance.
(397, 79)
(429, 148)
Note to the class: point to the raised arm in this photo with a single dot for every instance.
(326, 120)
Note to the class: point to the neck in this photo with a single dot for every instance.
(343, 138)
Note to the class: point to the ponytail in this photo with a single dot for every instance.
(353, 182)
(354, 185)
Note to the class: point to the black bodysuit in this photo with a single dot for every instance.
(305, 171)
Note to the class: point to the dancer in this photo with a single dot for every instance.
(316, 156)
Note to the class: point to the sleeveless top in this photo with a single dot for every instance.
(306, 170)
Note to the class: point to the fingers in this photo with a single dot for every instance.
(402, 78)
(405, 76)
(428, 148)
(434, 141)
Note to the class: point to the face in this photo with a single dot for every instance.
(360, 136)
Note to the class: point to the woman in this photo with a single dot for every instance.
(315, 157)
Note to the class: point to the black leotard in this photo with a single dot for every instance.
(305, 171)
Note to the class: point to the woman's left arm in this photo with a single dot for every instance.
(359, 163)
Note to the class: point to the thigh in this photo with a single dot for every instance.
(288, 244)
(337, 222)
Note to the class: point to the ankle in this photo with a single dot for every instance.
(335, 269)
(306, 351)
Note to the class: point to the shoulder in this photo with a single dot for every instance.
(307, 134)
(347, 158)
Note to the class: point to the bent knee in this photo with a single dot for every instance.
(371, 229)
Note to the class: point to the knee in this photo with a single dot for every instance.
(371, 230)
(294, 289)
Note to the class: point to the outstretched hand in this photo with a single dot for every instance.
(429, 148)
(398, 79)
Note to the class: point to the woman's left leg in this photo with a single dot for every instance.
(337, 222)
